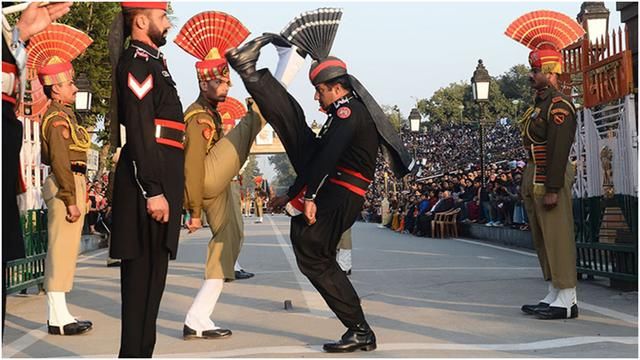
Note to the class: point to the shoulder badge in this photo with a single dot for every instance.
(141, 54)
(556, 99)
(207, 133)
(140, 89)
(559, 111)
(558, 118)
(343, 112)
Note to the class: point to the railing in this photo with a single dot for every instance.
(617, 261)
(29, 271)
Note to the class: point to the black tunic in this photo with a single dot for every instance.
(146, 92)
(12, 243)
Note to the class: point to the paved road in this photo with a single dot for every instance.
(424, 298)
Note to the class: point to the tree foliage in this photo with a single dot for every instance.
(251, 170)
(285, 175)
(395, 116)
(455, 104)
(94, 18)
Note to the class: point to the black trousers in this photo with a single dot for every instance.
(315, 249)
(314, 246)
(142, 283)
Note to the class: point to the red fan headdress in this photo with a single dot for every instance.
(207, 36)
(231, 110)
(545, 32)
(50, 52)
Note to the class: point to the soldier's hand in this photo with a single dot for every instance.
(36, 17)
(194, 224)
(310, 212)
(550, 200)
(158, 208)
(73, 213)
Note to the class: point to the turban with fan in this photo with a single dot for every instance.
(51, 51)
(314, 32)
(546, 33)
(231, 110)
(207, 36)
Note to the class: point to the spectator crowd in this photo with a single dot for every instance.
(449, 177)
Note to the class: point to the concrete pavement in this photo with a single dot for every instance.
(423, 297)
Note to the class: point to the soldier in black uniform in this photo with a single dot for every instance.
(33, 20)
(149, 177)
(334, 172)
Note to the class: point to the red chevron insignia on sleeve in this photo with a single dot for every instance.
(140, 89)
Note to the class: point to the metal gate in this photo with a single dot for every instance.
(29, 271)
(606, 192)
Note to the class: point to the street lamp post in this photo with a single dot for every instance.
(480, 86)
(594, 18)
(84, 95)
(414, 120)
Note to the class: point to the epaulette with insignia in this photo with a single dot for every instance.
(141, 54)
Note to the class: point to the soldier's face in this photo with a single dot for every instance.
(538, 79)
(65, 92)
(326, 95)
(216, 90)
(158, 26)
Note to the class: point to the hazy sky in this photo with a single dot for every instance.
(400, 51)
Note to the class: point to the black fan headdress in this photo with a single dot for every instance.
(314, 33)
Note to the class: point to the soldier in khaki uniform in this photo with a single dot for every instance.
(259, 203)
(211, 161)
(64, 148)
(548, 130)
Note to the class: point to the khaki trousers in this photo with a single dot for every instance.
(345, 241)
(219, 204)
(64, 237)
(552, 230)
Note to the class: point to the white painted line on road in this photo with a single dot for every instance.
(450, 268)
(497, 247)
(315, 303)
(24, 341)
(314, 349)
(594, 308)
(608, 312)
(412, 252)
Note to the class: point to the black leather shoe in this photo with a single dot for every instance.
(188, 333)
(359, 338)
(555, 312)
(243, 60)
(74, 328)
(531, 309)
(242, 275)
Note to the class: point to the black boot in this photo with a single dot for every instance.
(359, 338)
(556, 312)
(243, 60)
(188, 333)
(531, 309)
(74, 328)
